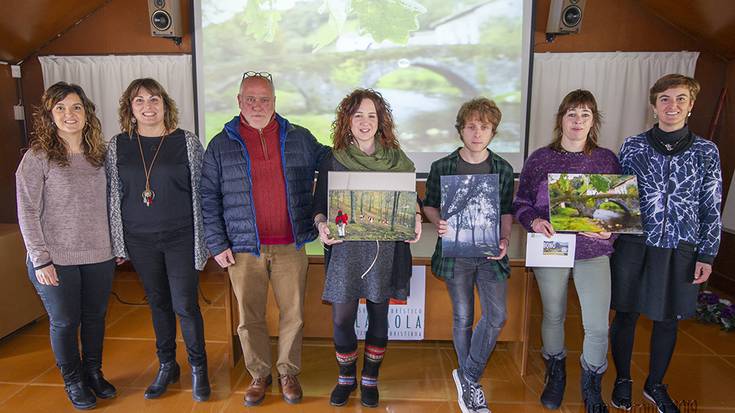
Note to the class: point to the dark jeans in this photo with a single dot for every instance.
(80, 299)
(474, 348)
(165, 263)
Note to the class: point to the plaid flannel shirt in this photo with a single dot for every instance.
(444, 267)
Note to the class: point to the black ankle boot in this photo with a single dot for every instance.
(369, 396)
(347, 380)
(168, 373)
(101, 387)
(592, 393)
(622, 394)
(80, 396)
(555, 382)
(200, 389)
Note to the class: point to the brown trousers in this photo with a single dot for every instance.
(285, 267)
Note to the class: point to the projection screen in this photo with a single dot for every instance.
(426, 57)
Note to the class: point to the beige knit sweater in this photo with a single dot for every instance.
(62, 211)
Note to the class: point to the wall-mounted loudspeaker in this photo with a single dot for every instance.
(565, 16)
(165, 18)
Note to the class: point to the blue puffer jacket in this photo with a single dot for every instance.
(680, 194)
(227, 199)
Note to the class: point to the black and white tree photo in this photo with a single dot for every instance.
(470, 204)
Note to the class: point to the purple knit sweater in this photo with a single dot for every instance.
(532, 198)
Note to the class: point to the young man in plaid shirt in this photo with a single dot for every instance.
(477, 122)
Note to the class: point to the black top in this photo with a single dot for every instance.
(466, 168)
(670, 143)
(170, 181)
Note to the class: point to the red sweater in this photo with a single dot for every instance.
(268, 183)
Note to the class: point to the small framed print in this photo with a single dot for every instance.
(557, 251)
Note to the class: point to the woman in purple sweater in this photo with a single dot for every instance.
(573, 150)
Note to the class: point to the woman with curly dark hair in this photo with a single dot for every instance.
(154, 170)
(364, 140)
(62, 212)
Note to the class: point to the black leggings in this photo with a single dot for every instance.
(344, 316)
(663, 341)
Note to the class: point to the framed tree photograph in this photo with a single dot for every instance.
(595, 203)
(370, 206)
(471, 206)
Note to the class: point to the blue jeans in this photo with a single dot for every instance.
(474, 347)
(80, 299)
(592, 281)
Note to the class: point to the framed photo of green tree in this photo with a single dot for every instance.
(594, 203)
(370, 206)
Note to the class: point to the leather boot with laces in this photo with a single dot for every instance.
(659, 395)
(622, 394)
(290, 389)
(592, 392)
(168, 373)
(255, 393)
(555, 382)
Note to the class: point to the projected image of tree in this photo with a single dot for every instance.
(594, 203)
(426, 57)
(372, 215)
(470, 204)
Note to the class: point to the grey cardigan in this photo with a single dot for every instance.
(195, 153)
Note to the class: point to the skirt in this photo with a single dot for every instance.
(656, 282)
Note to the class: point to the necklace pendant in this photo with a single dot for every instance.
(148, 196)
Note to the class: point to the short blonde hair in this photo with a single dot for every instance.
(483, 108)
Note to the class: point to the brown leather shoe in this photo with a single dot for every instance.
(290, 388)
(255, 393)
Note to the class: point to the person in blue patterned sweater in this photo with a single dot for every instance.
(658, 274)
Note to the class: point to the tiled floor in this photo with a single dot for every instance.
(416, 376)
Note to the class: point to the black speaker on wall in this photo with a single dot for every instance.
(565, 16)
(165, 18)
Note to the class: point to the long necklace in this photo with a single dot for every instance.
(148, 193)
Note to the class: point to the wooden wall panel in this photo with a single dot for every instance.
(121, 27)
(724, 268)
(10, 144)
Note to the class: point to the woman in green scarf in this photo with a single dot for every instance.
(364, 140)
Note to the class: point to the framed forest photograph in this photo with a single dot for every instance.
(369, 206)
(471, 206)
(595, 203)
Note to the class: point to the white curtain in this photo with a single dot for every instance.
(104, 78)
(620, 82)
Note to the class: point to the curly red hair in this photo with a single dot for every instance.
(341, 131)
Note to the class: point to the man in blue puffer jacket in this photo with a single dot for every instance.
(256, 188)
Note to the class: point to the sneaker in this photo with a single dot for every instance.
(658, 395)
(463, 391)
(622, 394)
(478, 403)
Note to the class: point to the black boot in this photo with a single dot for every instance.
(101, 387)
(369, 396)
(93, 377)
(622, 394)
(347, 381)
(80, 396)
(591, 392)
(168, 373)
(200, 389)
(555, 382)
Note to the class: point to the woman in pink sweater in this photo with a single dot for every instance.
(62, 212)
